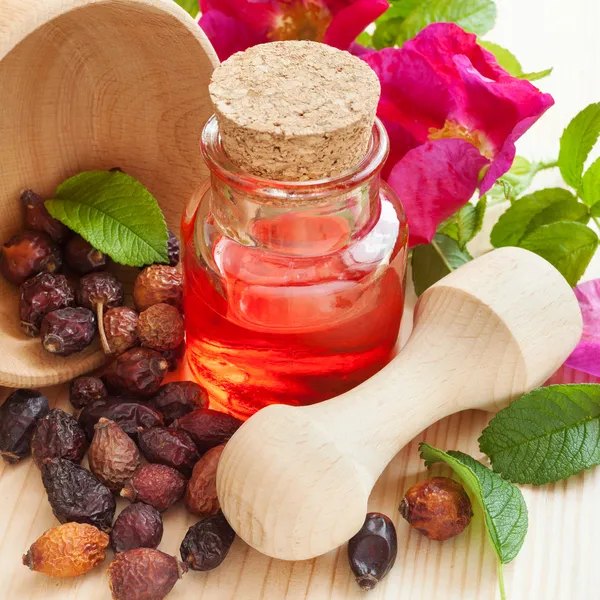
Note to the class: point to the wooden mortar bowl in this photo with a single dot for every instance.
(87, 84)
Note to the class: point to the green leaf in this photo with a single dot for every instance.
(576, 142)
(431, 262)
(536, 209)
(365, 39)
(508, 61)
(386, 32)
(568, 246)
(547, 435)
(537, 75)
(116, 214)
(514, 182)
(595, 210)
(191, 6)
(590, 184)
(465, 224)
(503, 506)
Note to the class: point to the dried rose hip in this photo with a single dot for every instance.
(130, 415)
(68, 550)
(208, 428)
(137, 526)
(58, 435)
(120, 329)
(85, 390)
(41, 295)
(38, 218)
(372, 551)
(27, 254)
(19, 416)
(157, 485)
(161, 327)
(139, 371)
(170, 447)
(156, 284)
(201, 493)
(82, 257)
(178, 398)
(173, 249)
(76, 495)
(173, 357)
(438, 507)
(68, 330)
(113, 456)
(143, 574)
(207, 543)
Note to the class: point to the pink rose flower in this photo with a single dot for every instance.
(234, 25)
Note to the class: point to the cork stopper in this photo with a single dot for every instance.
(295, 111)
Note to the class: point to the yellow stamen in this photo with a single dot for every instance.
(453, 130)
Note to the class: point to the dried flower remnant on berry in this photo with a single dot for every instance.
(171, 447)
(173, 249)
(208, 428)
(207, 543)
(120, 329)
(38, 218)
(82, 258)
(68, 330)
(201, 493)
(137, 526)
(158, 284)
(139, 371)
(157, 485)
(161, 327)
(178, 398)
(174, 357)
(85, 390)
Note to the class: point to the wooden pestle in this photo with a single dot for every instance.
(294, 481)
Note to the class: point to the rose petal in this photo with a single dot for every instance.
(350, 21)
(433, 181)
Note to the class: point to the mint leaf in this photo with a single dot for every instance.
(508, 61)
(116, 214)
(568, 246)
(191, 6)
(431, 262)
(590, 184)
(465, 224)
(547, 435)
(503, 506)
(576, 143)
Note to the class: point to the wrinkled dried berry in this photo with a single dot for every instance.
(174, 357)
(120, 329)
(178, 398)
(38, 218)
(170, 447)
(208, 428)
(139, 371)
(27, 254)
(438, 507)
(68, 550)
(19, 416)
(157, 485)
(372, 551)
(173, 249)
(156, 284)
(85, 390)
(76, 495)
(137, 526)
(143, 574)
(201, 493)
(207, 543)
(58, 435)
(68, 330)
(41, 295)
(131, 416)
(113, 456)
(82, 257)
(161, 327)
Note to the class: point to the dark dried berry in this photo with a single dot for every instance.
(113, 456)
(137, 526)
(201, 493)
(157, 485)
(38, 218)
(68, 330)
(76, 495)
(208, 428)
(171, 447)
(120, 329)
(207, 543)
(131, 416)
(58, 435)
(173, 249)
(438, 507)
(178, 398)
(27, 254)
(156, 284)
(143, 574)
(139, 371)
(82, 258)
(161, 327)
(19, 416)
(372, 551)
(85, 390)
(174, 357)
(41, 295)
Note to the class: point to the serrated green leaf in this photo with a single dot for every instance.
(568, 246)
(547, 435)
(116, 214)
(509, 62)
(590, 184)
(515, 181)
(386, 32)
(537, 75)
(465, 224)
(503, 505)
(399, 9)
(576, 142)
(191, 6)
(431, 262)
